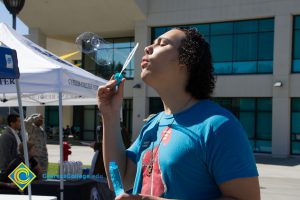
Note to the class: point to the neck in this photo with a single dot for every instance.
(176, 101)
(13, 128)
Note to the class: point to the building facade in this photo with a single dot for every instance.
(256, 54)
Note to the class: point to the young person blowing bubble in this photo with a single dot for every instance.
(194, 149)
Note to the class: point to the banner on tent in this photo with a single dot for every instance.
(8, 65)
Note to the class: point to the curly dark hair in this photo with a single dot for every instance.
(194, 52)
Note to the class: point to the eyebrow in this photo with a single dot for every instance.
(163, 38)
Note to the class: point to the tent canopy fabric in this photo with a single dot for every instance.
(43, 75)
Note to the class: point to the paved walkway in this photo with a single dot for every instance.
(279, 177)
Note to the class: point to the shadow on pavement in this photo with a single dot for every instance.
(269, 160)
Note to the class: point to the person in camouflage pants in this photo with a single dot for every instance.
(38, 137)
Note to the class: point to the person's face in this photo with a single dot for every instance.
(39, 120)
(16, 125)
(160, 65)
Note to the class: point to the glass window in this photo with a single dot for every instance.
(296, 65)
(296, 49)
(247, 119)
(244, 67)
(203, 28)
(266, 25)
(296, 104)
(246, 26)
(51, 116)
(296, 52)
(295, 126)
(264, 104)
(247, 104)
(222, 48)
(239, 47)
(255, 114)
(296, 148)
(121, 43)
(223, 68)
(263, 146)
(245, 47)
(156, 32)
(221, 28)
(297, 22)
(264, 125)
(264, 66)
(265, 46)
(296, 45)
(118, 50)
(296, 122)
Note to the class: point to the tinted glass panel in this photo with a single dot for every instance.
(233, 42)
(296, 66)
(296, 52)
(248, 121)
(296, 104)
(204, 29)
(244, 67)
(222, 48)
(265, 66)
(245, 47)
(295, 148)
(265, 46)
(264, 104)
(221, 28)
(296, 123)
(263, 146)
(266, 25)
(264, 125)
(223, 68)
(247, 104)
(246, 26)
(297, 22)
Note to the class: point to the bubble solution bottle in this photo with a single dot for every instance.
(116, 178)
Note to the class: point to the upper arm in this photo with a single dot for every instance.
(129, 178)
(241, 188)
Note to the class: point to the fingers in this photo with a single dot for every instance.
(107, 88)
(121, 88)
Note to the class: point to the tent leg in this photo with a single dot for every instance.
(60, 145)
(24, 137)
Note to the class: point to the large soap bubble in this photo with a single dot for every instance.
(95, 47)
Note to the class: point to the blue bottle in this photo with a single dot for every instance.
(116, 178)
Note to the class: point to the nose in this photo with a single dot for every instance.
(148, 50)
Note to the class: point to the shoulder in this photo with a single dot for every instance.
(7, 134)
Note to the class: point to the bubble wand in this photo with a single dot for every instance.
(118, 76)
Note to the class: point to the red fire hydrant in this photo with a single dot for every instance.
(66, 151)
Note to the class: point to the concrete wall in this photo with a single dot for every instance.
(61, 48)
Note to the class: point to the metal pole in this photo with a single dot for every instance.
(24, 138)
(60, 145)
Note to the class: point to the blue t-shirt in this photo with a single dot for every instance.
(192, 153)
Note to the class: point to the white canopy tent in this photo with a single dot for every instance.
(43, 75)
(45, 79)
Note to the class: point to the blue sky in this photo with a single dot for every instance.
(6, 17)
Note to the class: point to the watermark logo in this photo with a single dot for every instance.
(22, 176)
